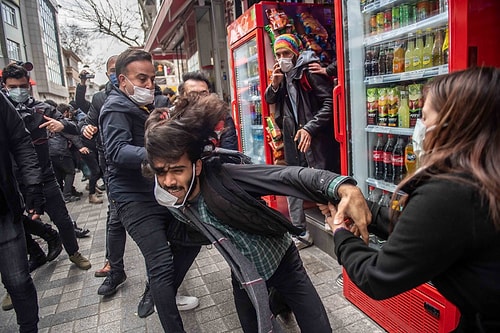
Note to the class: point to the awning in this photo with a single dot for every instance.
(32, 82)
(166, 25)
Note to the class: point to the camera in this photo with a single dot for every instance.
(86, 76)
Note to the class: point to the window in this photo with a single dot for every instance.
(13, 50)
(9, 15)
(50, 42)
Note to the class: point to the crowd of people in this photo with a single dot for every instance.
(175, 181)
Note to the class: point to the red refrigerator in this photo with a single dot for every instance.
(251, 61)
(376, 76)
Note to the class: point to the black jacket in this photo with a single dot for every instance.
(443, 235)
(122, 128)
(33, 111)
(314, 114)
(15, 143)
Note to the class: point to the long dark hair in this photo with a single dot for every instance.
(466, 139)
(187, 128)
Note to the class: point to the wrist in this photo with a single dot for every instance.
(340, 227)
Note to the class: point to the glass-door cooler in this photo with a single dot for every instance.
(248, 100)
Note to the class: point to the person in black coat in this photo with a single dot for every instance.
(304, 113)
(15, 144)
(447, 228)
(42, 121)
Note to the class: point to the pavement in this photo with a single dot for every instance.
(69, 302)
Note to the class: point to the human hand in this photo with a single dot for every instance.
(34, 200)
(52, 125)
(83, 77)
(316, 68)
(84, 150)
(352, 208)
(89, 131)
(276, 76)
(304, 139)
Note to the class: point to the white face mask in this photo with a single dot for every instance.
(419, 136)
(142, 96)
(286, 64)
(166, 199)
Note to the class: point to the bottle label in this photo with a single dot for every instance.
(397, 160)
(426, 60)
(378, 156)
(387, 157)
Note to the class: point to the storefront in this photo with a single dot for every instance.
(188, 36)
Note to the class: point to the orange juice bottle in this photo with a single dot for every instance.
(398, 63)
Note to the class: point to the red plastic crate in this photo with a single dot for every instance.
(420, 310)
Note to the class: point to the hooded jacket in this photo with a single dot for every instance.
(314, 113)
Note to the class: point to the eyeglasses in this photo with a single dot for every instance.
(201, 93)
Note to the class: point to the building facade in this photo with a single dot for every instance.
(29, 32)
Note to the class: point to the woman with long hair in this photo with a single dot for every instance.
(448, 229)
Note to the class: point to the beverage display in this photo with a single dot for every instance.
(415, 102)
(427, 51)
(398, 165)
(418, 51)
(445, 47)
(398, 64)
(385, 199)
(374, 194)
(372, 105)
(388, 149)
(404, 110)
(437, 48)
(410, 158)
(383, 107)
(410, 50)
(392, 106)
(378, 157)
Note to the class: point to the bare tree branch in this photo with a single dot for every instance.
(121, 20)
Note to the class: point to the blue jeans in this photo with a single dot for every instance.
(147, 223)
(295, 287)
(15, 274)
(55, 207)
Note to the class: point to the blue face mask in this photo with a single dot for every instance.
(113, 79)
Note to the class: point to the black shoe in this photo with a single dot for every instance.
(76, 193)
(36, 261)
(146, 305)
(111, 283)
(80, 232)
(54, 243)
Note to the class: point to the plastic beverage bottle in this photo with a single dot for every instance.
(378, 157)
(375, 61)
(368, 62)
(398, 164)
(410, 158)
(427, 53)
(382, 61)
(388, 149)
(418, 51)
(389, 58)
(398, 63)
(437, 51)
(385, 199)
(404, 110)
(410, 50)
(374, 194)
(445, 47)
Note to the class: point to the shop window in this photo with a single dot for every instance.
(9, 15)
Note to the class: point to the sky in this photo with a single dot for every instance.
(101, 48)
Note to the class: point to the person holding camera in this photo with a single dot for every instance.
(42, 121)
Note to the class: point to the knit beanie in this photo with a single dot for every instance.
(287, 41)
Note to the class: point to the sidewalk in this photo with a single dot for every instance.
(69, 302)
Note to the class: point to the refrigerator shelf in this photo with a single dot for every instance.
(407, 76)
(383, 185)
(389, 130)
(380, 4)
(402, 33)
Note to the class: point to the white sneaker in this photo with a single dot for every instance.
(185, 303)
(302, 241)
